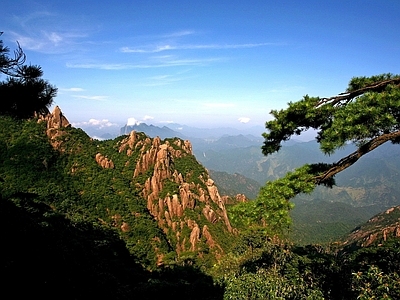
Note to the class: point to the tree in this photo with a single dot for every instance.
(8, 65)
(24, 92)
(367, 114)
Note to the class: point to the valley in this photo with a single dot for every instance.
(237, 165)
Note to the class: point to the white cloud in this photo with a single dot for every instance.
(156, 49)
(179, 33)
(161, 80)
(96, 98)
(132, 121)
(95, 123)
(73, 89)
(48, 41)
(244, 120)
(159, 64)
(54, 37)
(146, 118)
(97, 138)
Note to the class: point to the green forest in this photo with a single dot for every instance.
(140, 218)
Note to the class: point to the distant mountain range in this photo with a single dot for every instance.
(237, 166)
(188, 132)
(374, 178)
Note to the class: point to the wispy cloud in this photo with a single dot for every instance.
(166, 47)
(158, 64)
(179, 34)
(50, 42)
(161, 80)
(73, 89)
(154, 50)
(45, 41)
(48, 32)
(102, 66)
(95, 98)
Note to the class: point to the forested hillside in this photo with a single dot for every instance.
(78, 221)
(372, 180)
(139, 218)
(135, 202)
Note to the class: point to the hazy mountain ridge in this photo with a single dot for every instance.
(363, 190)
(372, 179)
(234, 184)
(178, 130)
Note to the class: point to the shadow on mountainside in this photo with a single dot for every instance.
(46, 255)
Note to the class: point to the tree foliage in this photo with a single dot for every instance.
(367, 114)
(24, 92)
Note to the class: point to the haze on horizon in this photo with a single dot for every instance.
(203, 64)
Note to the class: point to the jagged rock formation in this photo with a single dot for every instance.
(378, 229)
(55, 121)
(158, 160)
(104, 161)
(215, 196)
(171, 195)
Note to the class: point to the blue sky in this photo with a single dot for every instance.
(200, 63)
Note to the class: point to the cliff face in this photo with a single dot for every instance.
(158, 158)
(378, 229)
(185, 203)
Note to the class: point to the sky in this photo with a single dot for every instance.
(199, 63)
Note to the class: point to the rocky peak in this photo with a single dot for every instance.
(159, 158)
(55, 121)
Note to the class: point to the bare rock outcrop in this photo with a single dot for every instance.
(216, 198)
(378, 229)
(55, 121)
(157, 159)
(210, 214)
(210, 241)
(194, 237)
(104, 161)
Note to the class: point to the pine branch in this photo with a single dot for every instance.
(347, 161)
(348, 96)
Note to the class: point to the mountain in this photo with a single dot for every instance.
(380, 228)
(234, 184)
(152, 131)
(364, 189)
(373, 179)
(192, 133)
(319, 221)
(152, 192)
(140, 217)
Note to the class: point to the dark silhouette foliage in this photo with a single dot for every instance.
(24, 92)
